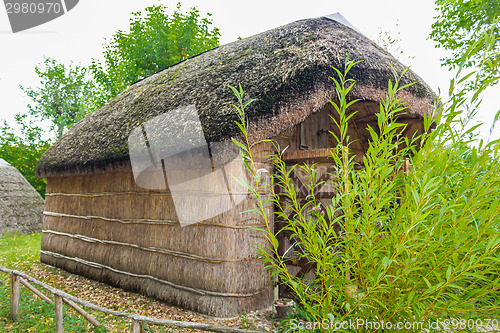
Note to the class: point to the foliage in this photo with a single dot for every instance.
(65, 94)
(155, 41)
(23, 152)
(459, 27)
(64, 97)
(417, 246)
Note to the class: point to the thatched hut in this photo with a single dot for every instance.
(105, 221)
(21, 206)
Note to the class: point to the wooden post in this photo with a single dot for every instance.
(14, 296)
(136, 326)
(59, 313)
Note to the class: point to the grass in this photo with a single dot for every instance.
(22, 253)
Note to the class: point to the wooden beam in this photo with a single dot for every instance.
(35, 291)
(322, 155)
(374, 123)
(301, 155)
(190, 325)
(82, 312)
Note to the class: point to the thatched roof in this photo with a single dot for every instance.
(286, 69)
(21, 206)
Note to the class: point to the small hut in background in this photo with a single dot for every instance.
(21, 206)
(101, 224)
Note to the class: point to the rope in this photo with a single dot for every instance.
(152, 221)
(150, 249)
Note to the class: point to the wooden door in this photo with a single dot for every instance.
(288, 249)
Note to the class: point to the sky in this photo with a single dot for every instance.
(79, 35)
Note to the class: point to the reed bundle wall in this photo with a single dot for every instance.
(105, 227)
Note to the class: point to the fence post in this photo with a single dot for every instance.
(59, 313)
(14, 296)
(136, 327)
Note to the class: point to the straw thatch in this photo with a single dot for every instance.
(21, 206)
(98, 222)
(287, 70)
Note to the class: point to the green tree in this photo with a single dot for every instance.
(155, 41)
(23, 151)
(461, 26)
(65, 94)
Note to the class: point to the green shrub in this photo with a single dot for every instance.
(414, 247)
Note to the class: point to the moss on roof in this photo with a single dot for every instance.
(287, 70)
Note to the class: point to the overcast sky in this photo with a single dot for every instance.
(78, 36)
